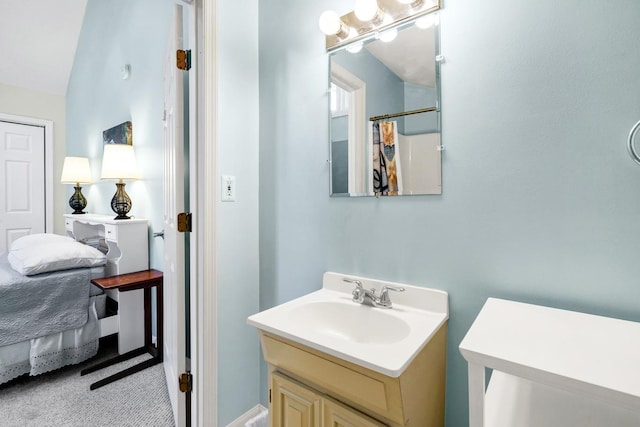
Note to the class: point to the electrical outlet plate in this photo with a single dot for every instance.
(228, 188)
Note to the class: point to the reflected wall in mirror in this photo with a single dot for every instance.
(384, 114)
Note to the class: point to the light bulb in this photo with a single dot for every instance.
(354, 47)
(329, 22)
(388, 36)
(366, 10)
(426, 21)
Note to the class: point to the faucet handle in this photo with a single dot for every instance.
(358, 292)
(356, 282)
(384, 294)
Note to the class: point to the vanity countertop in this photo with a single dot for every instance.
(384, 340)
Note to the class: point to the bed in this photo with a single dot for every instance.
(49, 310)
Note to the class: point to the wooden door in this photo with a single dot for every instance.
(22, 182)
(292, 404)
(174, 241)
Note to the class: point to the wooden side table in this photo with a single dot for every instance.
(146, 280)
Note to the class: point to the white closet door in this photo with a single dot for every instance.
(174, 243)
(22, 182)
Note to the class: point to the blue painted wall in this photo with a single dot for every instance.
(237, 267)
(416, 97)
(540, 200)
(115, 33)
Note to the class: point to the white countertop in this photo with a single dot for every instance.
(90, 218)
(424, 310)
(593, 355)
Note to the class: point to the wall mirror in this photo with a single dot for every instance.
(385, 113)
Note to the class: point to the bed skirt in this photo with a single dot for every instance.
(44, 354)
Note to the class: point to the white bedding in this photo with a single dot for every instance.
(54, 351)
(42, 253)
(37, 353)
(35, 306)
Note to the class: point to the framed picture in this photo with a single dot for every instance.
(121, 134)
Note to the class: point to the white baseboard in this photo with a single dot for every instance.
(242, 419)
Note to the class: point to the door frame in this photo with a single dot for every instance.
(356, 141)
(202, 142)
(202, 39)
(205, 160)
(48, 161)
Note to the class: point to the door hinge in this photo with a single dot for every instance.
(183, 59)
(184, 222)
(269, 395)
(186, 382)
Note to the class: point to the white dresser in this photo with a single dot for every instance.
(128, 251)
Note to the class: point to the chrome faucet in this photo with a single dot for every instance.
(369, 297)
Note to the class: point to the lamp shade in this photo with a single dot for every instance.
(119, 162)
(76, 170)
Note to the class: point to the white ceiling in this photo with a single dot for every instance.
(410, 55)
(38, 41)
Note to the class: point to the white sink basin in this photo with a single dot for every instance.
(384, 340)
(348, 321)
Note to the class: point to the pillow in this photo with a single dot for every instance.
(42, 253)
(38, 239)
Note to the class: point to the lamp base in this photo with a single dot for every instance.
(78, 201)
(121, 203)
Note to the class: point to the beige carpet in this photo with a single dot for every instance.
(63, 398)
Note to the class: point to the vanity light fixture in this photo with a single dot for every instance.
(412, 3)
(371, 17)
(331, 24)
(119, 162)
(76, 170)
(426, 21)
(355, 47)
(369, 11)
(388, 35)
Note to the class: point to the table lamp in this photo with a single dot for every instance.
(76, 170)
(119, 162)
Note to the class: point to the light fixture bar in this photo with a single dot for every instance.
(412, 3)
(390, 13)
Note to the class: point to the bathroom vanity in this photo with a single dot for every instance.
(333, 361)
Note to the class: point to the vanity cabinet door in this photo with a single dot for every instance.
(335, 414)
(293, 405)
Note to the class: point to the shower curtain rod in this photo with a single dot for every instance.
(404, 113)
